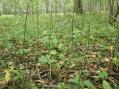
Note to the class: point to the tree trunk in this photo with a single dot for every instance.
(117, 11)
(114, 10)
(1, 9)
(78, 6)
(15, 7)
(47, 6)
(31, 8)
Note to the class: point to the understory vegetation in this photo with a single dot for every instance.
(59, 51)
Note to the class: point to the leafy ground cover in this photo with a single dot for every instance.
(59, 52)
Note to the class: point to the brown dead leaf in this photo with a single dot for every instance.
(41, 81)
(95, 87)
(103, 69)
(107, 59)
(61, 62)
(2, 83)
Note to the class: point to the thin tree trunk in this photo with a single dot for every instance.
(47, 6)
(31, 7)
(117, 11)
(114, 11)
(15, 7)
(111, 4)
(78, 6)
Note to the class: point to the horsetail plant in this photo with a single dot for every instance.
(25, 28)
(50, 37)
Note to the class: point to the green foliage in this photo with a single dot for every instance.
(45, 59)
(106, 85)
(61, 86)
(34, 86)
(77, 83)
(33, 53)
(103, 75)
(88, 84)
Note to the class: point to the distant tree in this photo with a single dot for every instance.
(78, 6)
(114, 10)
(1, 7)
(15, 7)
(47, 6)
(117, 10)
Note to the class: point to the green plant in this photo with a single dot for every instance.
(106, 85)
(103, 75)
(77, 82)
(88, 84)
(61, 86)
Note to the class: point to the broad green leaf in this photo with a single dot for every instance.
(61, 86)
(103, 74)
(43, 60)
(53, 52)
(54, 40)
(88, 84)
(106, 85)
(76, 80)
(7, 75)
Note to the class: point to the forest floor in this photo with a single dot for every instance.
(59, 52)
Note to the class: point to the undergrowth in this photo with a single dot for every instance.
(27, 62)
